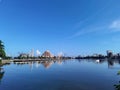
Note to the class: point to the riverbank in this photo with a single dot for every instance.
(3, 62)
(28, 60)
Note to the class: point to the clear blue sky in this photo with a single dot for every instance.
(70, 26)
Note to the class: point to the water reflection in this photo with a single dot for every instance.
(48, 63)
(59, 62)
(75, 77)
(1, 73)
(31, 65)
(112, 63)
(37, 64)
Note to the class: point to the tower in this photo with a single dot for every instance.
(31, 54)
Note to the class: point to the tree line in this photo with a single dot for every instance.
(2, 50)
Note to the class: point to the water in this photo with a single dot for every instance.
(60, 75)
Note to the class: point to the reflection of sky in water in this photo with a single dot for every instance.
(60, 75)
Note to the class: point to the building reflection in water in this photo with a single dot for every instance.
(37, 65)
(112, 63)
(31, 65)
(47, 64)
(59, 62)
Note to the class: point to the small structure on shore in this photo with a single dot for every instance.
(23, 55)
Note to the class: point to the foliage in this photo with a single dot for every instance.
(118, 73)
(117, 86)
(8, 57)
(0, 62)
(2, 51)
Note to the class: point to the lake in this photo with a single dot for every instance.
(61, 75)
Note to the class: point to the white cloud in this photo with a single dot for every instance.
(60, 54)
(107, 28)
(87, 31)
(115, 25)
(38, 52)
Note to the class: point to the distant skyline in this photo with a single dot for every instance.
(70, 26)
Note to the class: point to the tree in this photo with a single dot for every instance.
(2, 50)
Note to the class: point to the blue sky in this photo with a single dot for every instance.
(70, 26)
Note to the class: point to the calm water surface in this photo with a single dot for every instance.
(60, 75)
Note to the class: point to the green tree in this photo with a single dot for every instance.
(2, 50)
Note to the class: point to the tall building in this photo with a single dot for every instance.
(31, 54)
(109, 54)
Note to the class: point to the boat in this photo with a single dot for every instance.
(97, 61)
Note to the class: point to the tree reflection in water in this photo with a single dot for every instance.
(1, 73)
(117, 86)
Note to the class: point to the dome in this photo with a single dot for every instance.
(47, 54)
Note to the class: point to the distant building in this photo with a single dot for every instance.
(23, 55)
(118, 54)
(109, 54)
(60, 55)
(95, 55)
(47, 54)
(31, 54)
